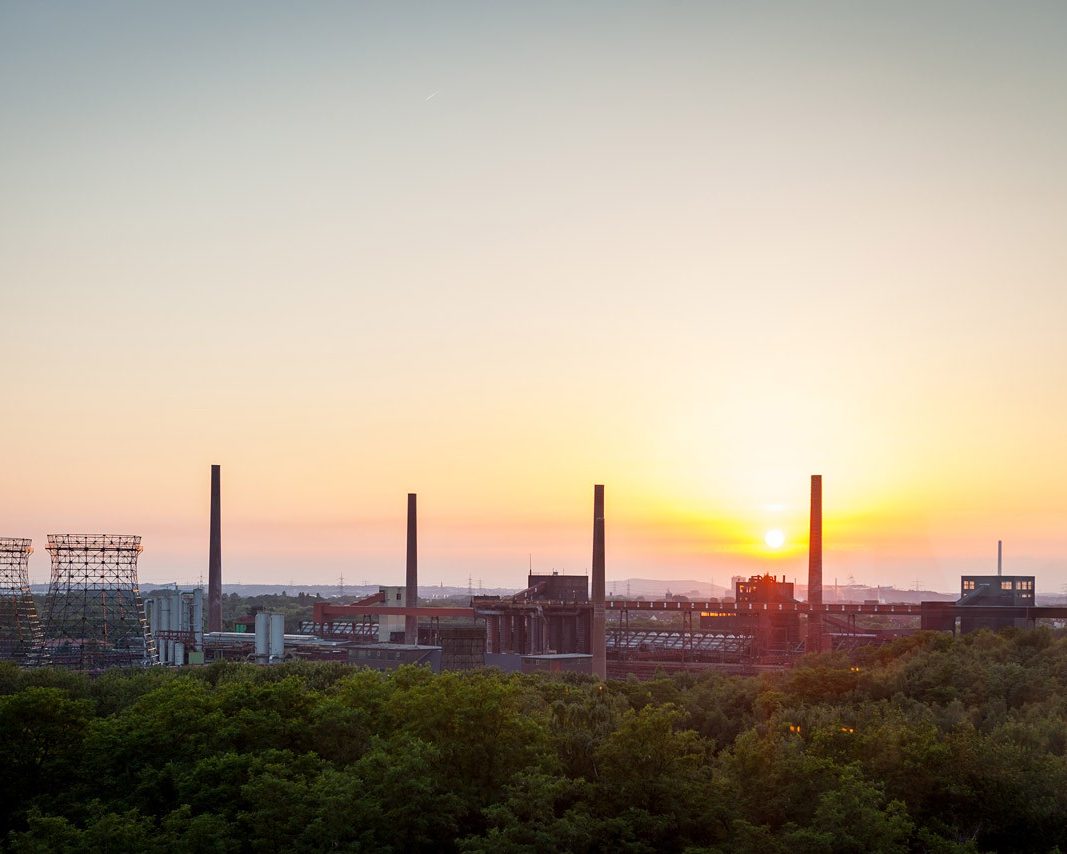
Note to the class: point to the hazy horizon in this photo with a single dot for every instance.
(494, 254)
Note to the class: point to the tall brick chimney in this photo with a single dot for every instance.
(599, 639)
(214, 559)
(411, 593)
(815, 632)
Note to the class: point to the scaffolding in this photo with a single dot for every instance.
(21, 639)
(94, 614)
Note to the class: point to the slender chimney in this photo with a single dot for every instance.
(1000, 556)
(815, 565)
(599, 640)
(214, 561)
(815, 543)
(411, 594)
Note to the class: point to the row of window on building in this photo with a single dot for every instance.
(1006, 584)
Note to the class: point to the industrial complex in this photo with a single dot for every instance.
(94, 616)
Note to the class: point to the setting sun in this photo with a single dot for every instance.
(774, 538)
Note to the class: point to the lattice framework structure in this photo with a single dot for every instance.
(94, 614)
(20, 627)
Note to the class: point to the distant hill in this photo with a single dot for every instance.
(634, 588)
(832, 593)
(351, 591)
(654, 588)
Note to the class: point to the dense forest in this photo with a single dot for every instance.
(931, 744)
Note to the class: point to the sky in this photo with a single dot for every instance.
(497, 253)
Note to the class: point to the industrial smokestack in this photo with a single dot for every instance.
(411, 593)
(599, 640)
(214, 561)
(815, 543)
(815, 565)
(1000, 556)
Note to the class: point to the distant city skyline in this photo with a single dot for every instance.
(497, 254)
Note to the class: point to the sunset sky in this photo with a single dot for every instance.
(496, 253)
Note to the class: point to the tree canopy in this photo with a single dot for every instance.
(932, 743)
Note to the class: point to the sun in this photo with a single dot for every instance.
(774, 538)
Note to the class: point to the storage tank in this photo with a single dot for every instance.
(164, 605)
(277, 637)
(262, 637)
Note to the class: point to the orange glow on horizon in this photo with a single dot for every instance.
(696, 263)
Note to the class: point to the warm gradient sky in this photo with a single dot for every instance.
(494, 253)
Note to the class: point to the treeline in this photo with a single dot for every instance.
(296, 609)
(931, 744)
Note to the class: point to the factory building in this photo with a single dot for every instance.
(985, 601)
(1003, 591)
(558, 623)
(776, 633)
(764, 589)
(557, 588)
(389, 656)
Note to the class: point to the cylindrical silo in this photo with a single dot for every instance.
(262, 637)
(277, 637)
